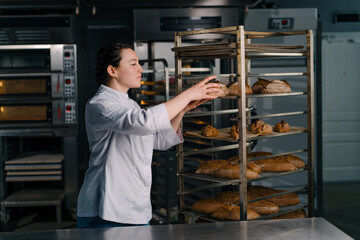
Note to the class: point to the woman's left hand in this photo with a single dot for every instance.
(194, 104)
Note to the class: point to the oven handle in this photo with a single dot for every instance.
(24, 74)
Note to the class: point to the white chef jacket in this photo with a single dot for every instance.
(121, 138)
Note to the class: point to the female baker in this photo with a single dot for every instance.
(122, 137)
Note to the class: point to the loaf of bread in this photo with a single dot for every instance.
(224, 90)
(298, 162)
(295, 214)
(209, 167)
(255, 125)
(263, 86)
(229, 212)
(231, 171)
(228, 198)
(206, 205)
(234, 88)
(251, 165)
(289, 199)
(209, 131)
(264, 207)
(264, 129)
(282, 127)
(275, 165)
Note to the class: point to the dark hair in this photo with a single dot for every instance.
(108, 55)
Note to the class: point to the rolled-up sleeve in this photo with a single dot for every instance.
(165, 139)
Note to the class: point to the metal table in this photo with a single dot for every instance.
(307, 228)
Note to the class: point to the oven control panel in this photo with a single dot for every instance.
(70, 111)
(69, 58)
(281, 23)
(69, 85)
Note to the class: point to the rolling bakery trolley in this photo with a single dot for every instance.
(238, 50)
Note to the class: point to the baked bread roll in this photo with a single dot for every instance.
(282, 127)
(263, 86)
(224, 90)
(231, 171)
(209, 131)
(296, 214)
(229, 212)
(206, 205)
(265, 128)
(234, 88)
(209, 167)
(234, 132)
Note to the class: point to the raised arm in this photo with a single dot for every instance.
(197, 92)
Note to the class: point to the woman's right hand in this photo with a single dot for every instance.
(201, 90)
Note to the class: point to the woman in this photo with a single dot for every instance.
(122, 136)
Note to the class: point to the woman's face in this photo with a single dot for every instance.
(128, 73)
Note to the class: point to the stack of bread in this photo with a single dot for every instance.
(262, 86)
(225, 205)
(259, 126)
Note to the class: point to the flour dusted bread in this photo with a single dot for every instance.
(234, 88)
(209, 167)
(263, 86)
(282, 127)
(229, 212)
(206, 205)
(224, 90)
(209, 131)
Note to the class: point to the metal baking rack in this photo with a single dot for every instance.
(239, 51)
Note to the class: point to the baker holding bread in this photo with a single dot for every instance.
(122, 136)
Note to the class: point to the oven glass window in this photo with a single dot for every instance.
(23, 113)
(23, 86)
(25, 59)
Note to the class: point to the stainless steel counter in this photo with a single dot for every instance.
(308, 228)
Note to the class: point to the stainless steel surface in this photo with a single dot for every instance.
(276, 115)
(297, 229)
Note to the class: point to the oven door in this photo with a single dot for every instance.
(42, 85)
(35, 113)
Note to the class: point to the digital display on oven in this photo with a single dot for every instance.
(25, 59)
